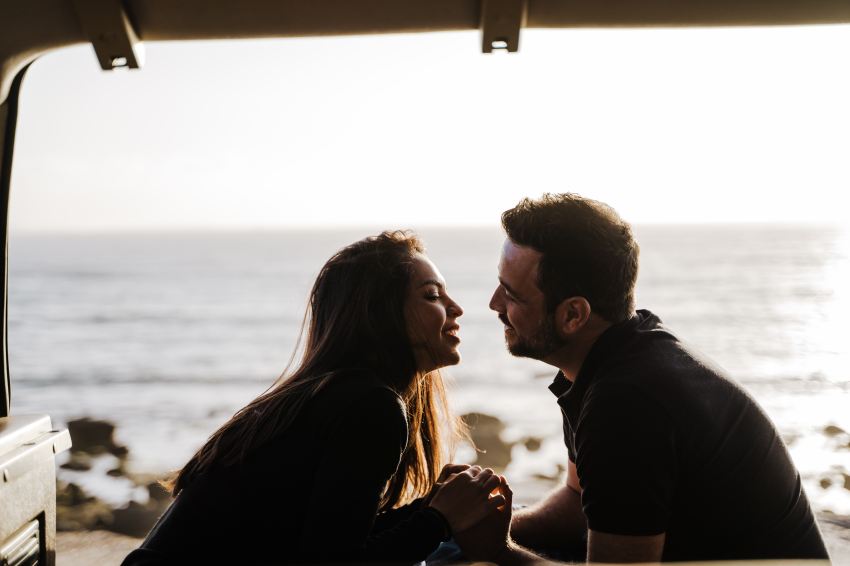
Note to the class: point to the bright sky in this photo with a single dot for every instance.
(713, 125)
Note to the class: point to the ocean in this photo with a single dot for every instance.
(167, 334)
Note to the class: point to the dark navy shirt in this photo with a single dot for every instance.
(664, 442)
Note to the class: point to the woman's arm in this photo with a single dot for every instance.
(368, 440)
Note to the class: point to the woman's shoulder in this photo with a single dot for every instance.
(357, 389)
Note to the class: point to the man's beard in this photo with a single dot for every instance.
(541, 344)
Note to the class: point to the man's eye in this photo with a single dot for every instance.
(433, 297)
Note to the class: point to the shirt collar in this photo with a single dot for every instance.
(606, 347)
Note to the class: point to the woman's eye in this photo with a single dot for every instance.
(433, 297)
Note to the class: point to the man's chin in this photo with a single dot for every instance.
(520, 349)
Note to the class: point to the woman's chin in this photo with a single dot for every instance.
(450, 359)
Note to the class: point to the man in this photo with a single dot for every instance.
(668, 458)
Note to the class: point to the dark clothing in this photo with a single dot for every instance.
(309, 495)
(665, 443)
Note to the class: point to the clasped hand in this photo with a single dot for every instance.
(476, 503)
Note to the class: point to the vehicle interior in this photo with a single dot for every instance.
(118, 30)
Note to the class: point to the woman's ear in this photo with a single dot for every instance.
(571, 315)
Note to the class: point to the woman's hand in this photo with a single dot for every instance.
(466, 497)
(448, 471)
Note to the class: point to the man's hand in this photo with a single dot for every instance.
(488, 539)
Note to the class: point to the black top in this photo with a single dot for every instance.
(310, 495)
(664, 442)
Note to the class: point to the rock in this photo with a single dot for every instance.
(135, 519)
(846, 481)
(71, 494)
(76, 510)
(87, 517)
(825, 483)
(115, 473)
(157, 492)
(832, 430)
(532, 444)
(78, 462)
(94, 437)
(491, 450)
(120, 452)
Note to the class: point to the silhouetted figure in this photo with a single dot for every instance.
(313, 469)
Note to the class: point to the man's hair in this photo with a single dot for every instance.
(587, 251)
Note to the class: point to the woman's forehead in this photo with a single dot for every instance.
(425, 272)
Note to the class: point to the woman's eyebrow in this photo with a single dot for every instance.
(433, 282)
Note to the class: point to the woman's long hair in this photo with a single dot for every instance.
(356, 321)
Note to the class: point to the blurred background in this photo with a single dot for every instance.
(167, 224)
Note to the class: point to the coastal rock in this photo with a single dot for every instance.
(491, 450)
(93, 436)
(78, 462)
(78, 511)
(825, 483)
(136, 519)
(70, 494)
(832, 430)
(158, 493)
(532, 444)
(846, 481)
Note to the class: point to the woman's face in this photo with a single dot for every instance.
(431, 317)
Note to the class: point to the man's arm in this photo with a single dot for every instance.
(604, 547)
(555, 523)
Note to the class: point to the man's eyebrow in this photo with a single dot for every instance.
(433, 282)
(508, 287)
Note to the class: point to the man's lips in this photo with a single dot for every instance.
(504, 320)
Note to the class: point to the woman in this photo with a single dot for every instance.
(314, 469)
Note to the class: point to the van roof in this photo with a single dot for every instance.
(29, 28)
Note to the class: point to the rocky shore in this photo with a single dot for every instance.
(95, 452)
(102, 530)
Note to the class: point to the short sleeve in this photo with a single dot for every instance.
(626, 461)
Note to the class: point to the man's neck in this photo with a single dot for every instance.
(570, 358)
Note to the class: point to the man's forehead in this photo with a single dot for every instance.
(515, 256)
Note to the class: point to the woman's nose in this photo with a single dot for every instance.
(455, 309)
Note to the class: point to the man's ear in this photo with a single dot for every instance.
(571, 315)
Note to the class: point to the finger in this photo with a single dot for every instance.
(465, 476)
(505, 489)
(497, 502)
(450, 469)
(484, 476)
(493, 483)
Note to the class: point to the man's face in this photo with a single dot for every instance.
(529, 329)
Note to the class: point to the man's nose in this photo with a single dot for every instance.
(496, 300)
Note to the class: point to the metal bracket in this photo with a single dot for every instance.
(501, 21)
(107, 26)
